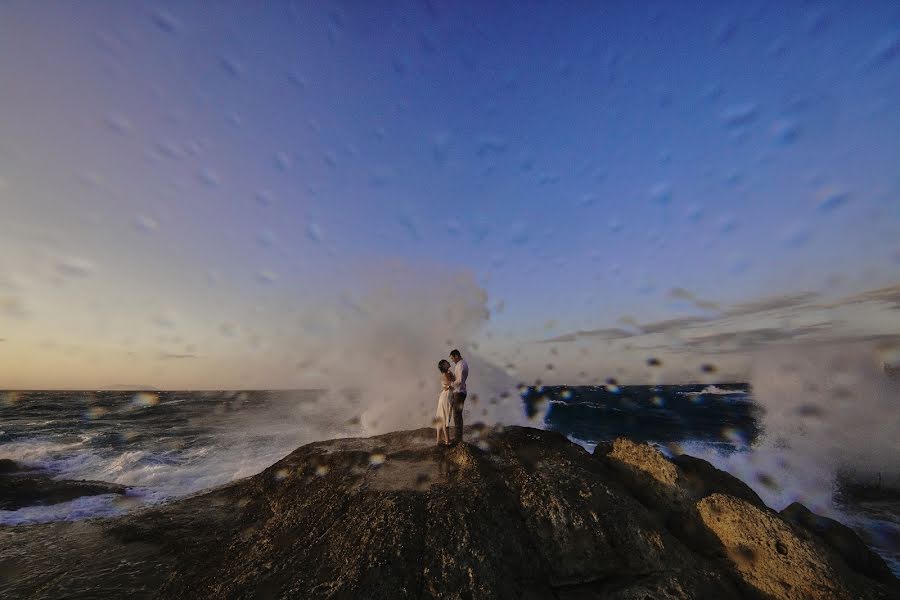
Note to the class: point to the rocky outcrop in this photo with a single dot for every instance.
(20, 487)
(513, 513)
(841, 539)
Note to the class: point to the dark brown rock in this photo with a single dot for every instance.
(778, 559)
(842, 540)
(8, 466)
(18, 490)
(513, 513)
(700, 479)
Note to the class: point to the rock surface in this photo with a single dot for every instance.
(514, 513)
(20, 487)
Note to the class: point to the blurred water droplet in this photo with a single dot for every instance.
(615, 226)
(209, 177)
(810, 411)
(785, 131)
(266, 238)
(231, 66)
(74, 266)
(145, 223)
(440, 147)
(119, 123)
(281, 474)
(694, 213)
(166, 22)
(727, 225)
(661, 193)
(653, 362)
(406, 223)
(725, 31)
(831, 197)
(885, 49)
(547, 178)
(145, 400)
(314, 233)
(768, 481)
(267, 276)
(376, 459)
(520, 234)
(490, 144)
(322, 470)
(797, 236)
(283, 162)
(297, 80)
(10, 399)
(708, 368)
(739, 115)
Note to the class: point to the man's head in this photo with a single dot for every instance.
(455, 356)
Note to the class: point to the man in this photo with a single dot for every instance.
(461, 371)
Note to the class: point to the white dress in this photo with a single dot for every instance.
(443, 407)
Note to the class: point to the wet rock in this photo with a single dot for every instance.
(842, 540)
(701, 479)
(778, 560)
(522, 513)
(20, 489)
(8, 466)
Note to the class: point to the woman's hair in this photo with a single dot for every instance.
(443, 365)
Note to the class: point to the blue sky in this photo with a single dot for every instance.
(223, 168)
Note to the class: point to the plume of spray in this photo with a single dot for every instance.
(378, 355)
(828, 411)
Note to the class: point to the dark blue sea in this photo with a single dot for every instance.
(165, 445)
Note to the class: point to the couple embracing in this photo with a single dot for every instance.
(452, 398)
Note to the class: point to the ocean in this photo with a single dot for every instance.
(166, 445)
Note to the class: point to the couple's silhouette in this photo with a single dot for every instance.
(452, 398)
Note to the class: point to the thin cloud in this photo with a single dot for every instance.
(771, 303)
(735, 336)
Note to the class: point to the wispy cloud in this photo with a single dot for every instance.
(748, 325)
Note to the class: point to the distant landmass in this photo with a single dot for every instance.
(128, 387)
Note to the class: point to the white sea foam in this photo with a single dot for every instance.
(825, 410)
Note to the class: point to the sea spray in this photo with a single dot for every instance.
(377, 356)
(826, 410)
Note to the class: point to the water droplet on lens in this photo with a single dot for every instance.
(209, 177)
(231, 66)
(145, 223)
(266, 238)
(377, 459)
(283, 162)
(166, 22)
(831, 198)
(119, 123)
(267, 276)
(314, 233)
(708, 368)
(740, 115)
(785, 131)
(145, 400)
(653, 362)
(74, 266)
(661, 193)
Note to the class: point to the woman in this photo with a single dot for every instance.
(442, 418)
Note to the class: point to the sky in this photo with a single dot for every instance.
(196, 196)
